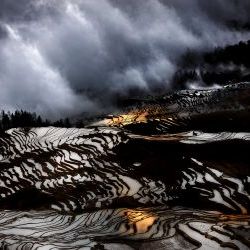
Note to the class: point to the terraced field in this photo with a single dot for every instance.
(171, 172)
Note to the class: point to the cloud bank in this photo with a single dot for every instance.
(61, 58)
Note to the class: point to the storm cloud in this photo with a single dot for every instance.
(62, 58)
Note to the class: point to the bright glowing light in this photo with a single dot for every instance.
(140, 220)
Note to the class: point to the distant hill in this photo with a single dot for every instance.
(221, 66)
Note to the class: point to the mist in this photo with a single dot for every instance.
(63, 58)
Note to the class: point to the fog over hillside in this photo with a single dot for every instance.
(62, 58)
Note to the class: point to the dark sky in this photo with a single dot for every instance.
(54, 53)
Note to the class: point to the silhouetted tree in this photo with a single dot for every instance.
(67, 123)
(6, 124)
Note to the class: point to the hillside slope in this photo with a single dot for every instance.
(171, 172)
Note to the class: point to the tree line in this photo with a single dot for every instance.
(25, 119)
(237, 54)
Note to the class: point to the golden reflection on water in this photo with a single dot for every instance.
(125, 119)
(139, 221)
(237, 219)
